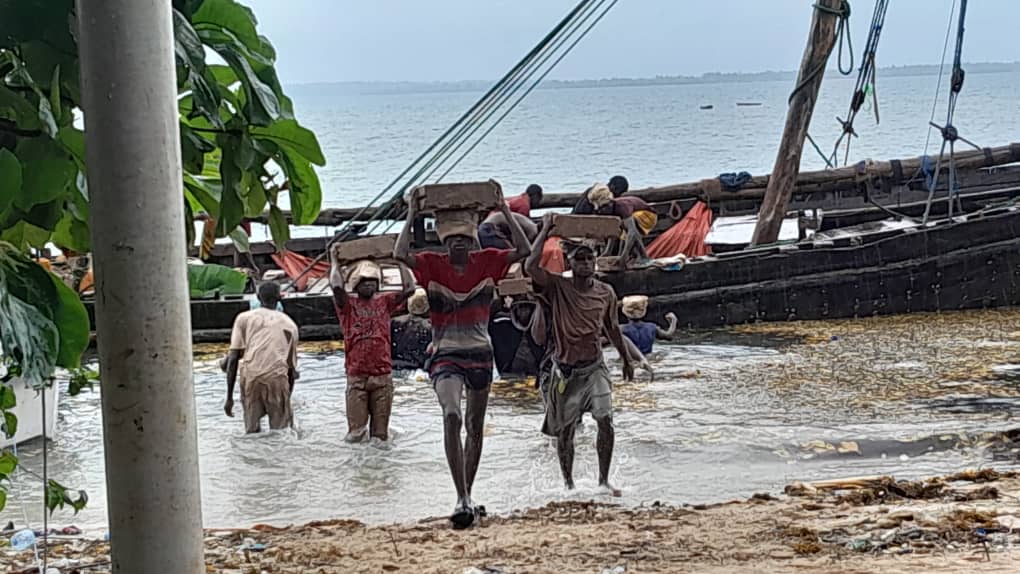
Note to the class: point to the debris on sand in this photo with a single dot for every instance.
(872, 524)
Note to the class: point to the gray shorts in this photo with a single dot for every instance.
(586, 390)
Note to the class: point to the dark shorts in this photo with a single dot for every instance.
(474, 379)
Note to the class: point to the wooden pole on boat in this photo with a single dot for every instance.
(143, 327)
(798, 118)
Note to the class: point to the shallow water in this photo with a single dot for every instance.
(715, 424)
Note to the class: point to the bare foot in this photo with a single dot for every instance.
(610, 490)
(569, 483)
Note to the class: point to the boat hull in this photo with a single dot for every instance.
(29, 410)
(951, 265)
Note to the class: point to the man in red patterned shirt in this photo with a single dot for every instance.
(365, 322)
(460, 285)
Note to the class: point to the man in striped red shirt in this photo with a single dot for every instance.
(460, 284)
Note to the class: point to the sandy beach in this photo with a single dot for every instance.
(969, 522)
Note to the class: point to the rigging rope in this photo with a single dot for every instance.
(481, 110)
(865, 77)
(528, 91)
(949, 132)
(942, 66)
(574, 27)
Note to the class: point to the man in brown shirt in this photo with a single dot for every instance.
(583, 309)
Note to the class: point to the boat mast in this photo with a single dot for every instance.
(798, 117)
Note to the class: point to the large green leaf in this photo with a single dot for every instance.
(209, 280)
(290, 134)
(28, 298)
(8, 462)
(231, 204)
(16, 108)
(24, 235)
(305, 190)
(237, 19)
(47, 171)
(73, 321)
(10, 178)
(72, 233)
(278, 227)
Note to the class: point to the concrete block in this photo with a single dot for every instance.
(512, 287)
(587, 226)
(478, 196)
(374, 247)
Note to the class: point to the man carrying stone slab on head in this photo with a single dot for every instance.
(583, 310)
(460, 284)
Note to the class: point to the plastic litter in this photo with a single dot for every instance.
(23, 540)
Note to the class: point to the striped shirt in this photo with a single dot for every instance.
(459, 309)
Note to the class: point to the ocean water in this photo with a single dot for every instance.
(707, 429)
(565, 139)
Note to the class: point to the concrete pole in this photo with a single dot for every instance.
(798, 118)
(143, 324)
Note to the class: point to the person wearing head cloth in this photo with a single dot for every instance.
(618, 186)
(640, 332)
(364, 315)
(412, 333)
(460, 284)
(263, 354)
(583, 310)
(637, 216)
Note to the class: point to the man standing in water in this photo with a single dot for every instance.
(460, 285)
(263, 348)
(583, 309)
(365, 321)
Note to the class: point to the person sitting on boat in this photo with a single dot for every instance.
(583, 308)
(618, 185)
(637, 217)
(640, 332)
(525, 202)
(412, 333)
(461, 284)
(494, 231)
(365, 322)
(263, 350)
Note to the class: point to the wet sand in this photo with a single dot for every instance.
(963, 523)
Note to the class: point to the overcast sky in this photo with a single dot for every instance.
(370, 40)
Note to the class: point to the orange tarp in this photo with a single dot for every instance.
(686, 236)
(293, 264)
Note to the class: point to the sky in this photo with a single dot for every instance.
(449, 40)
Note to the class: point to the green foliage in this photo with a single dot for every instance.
(240, 145)
(211, 280)
(57, 496)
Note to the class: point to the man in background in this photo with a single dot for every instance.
(263, 350)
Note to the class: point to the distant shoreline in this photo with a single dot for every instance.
(388, 88)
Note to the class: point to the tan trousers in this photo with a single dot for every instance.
(369, 402)
(266, 395)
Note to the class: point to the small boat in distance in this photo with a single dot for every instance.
(707, 107)
(744, 104)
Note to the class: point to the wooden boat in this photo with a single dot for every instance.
(874, 262)
(29, 410)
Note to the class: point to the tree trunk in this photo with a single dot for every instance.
(143, 327)
(798, 119)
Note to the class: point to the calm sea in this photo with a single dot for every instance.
(565, 139)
